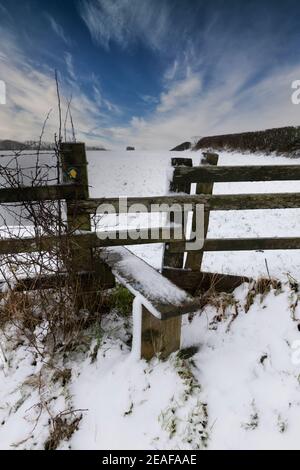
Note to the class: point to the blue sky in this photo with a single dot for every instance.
(149, 73)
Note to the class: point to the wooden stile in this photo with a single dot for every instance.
(161, 313)
(160, 333)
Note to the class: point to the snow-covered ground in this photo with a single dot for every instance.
(239, 388)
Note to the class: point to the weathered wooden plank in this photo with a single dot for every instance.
(246, 244)
(32, 245)
(252, 244)
(253, 201)
(194, 259)
(159, 338)
(39, 193)
(160, 297)
(226, 202)
(170, 259)
(74, 167)
(55, 280)
(193, 281)
(222, 174)
(86, 240)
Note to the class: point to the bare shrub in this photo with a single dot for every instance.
(43, 295)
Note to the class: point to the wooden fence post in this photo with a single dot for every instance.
(75, 170)
(171, 260)
(159, 337)
(195, 258)
(164, 337)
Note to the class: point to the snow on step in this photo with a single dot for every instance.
(160, 296)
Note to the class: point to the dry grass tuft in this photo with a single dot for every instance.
(64, 426)
(261, 287)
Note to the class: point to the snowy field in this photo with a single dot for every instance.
(240, 389)
(146, 174)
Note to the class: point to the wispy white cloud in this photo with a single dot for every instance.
(31, 93)
(4, 12)
(149, 99)
(179, 94)
(70, 65)
(170, 73)
(103, 103)
(127, 21)
(184, 109)
(58, 29)
(232, 83)
(223, 109)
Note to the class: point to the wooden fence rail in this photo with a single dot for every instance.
(84, 241)
(224, 202)
(244, 244)
(227, 174)
(70, 191)
(39, 193)
(122, 238)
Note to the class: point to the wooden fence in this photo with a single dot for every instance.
(181, 267)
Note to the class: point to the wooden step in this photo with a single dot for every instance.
(159, 295)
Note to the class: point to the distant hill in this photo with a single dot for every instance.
(102, 149)
(182, 147)
(280, 140)
(11, 145)
(31, 145)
